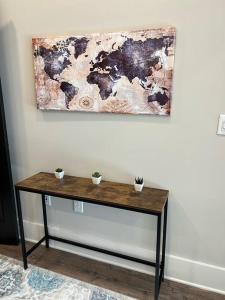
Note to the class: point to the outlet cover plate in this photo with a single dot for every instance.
(48, 200)
(221, 125)
(78, 207)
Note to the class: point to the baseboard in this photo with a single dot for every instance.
(179, 269)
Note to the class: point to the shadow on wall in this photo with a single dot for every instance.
(68, 116)
(12, 94)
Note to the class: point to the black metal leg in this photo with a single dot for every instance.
(164, 239)
(22, 238)
(45, 221)
(157, 268)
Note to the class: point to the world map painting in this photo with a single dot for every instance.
(124, 72)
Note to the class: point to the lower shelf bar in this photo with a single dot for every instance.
(35, 246)
(138, 260)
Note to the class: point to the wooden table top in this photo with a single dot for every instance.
(107, 193)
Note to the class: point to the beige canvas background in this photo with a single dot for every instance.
(181, 153)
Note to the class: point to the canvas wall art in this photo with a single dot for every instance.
(124, 72)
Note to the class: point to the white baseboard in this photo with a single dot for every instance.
(190, 272)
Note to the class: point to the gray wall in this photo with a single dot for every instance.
(181, 153)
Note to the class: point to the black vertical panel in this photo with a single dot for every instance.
(8, 221)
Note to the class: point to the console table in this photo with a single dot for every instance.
(122, 196)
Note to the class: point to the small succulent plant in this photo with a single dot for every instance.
(59, 170)
(96, 175)
(139, 180)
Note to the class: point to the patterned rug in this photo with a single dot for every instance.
(39, 284)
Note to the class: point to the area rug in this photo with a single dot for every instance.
(39, 284)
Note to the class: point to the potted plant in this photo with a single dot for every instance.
(59, 173)
(96, 177)
(138, 184)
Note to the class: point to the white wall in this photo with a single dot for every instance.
(181, 153)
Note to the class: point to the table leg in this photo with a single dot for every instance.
(45, 221)
(22, 238)
(157, 268)
(164, 239)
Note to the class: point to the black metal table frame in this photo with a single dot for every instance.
(159, 266)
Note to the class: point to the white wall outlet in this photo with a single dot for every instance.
(78, 207)
(221, 125)
(48, 200)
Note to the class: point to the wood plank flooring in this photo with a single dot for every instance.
(131, 283)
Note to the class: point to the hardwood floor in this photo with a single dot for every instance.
(131, 283)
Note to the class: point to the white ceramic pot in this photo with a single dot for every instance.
(96, 180)
(138, 187)
(59, 175)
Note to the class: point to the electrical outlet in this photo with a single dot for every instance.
(48, 200)
(78, 207)
(221, 125)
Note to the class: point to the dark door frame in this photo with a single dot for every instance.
(8, 219)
